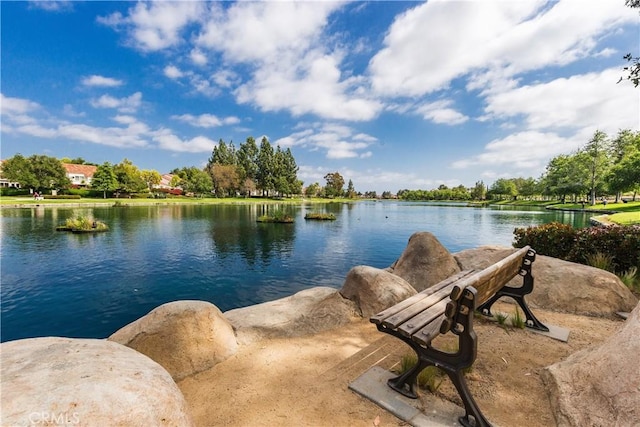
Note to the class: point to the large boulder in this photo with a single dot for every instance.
(424, 262)
(185, 337)
(599, 387)
(561, 285)
(305, 313)
(88, 382)
(373, 290)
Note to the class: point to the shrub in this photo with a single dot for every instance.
(12, 191)
(621, 243)
(600, 260)
(277, 215)
(320, 216)
(631, 278)
(554, 239)
(62, 196)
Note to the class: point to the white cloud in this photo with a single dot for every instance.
(206, 120)
(556, 117)
(264, 31)
(580, 101)
(441, 112)
(101, 81)
(487, 40)
(338, 141)
(169, 141)
(156, 25)
(16, 106)
(226, 78)
(312, 86)
(198, 57)
(529, 150)
(52, 5)
(128, 104)
(173, 72)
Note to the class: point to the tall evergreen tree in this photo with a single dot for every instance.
(104, 179)
(265, 178)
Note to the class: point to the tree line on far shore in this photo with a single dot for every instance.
(603, 167)
(244, 171)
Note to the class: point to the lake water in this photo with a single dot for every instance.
(78, 285)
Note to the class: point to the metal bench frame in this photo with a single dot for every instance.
(449, 306)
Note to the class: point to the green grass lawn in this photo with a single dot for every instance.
(626, 218)
(617, 207)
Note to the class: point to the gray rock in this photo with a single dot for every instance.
(86, 382)
(424, 262)
(561, 285)
(185, 337)
(599, 387)
(304, 313)
(373, 290)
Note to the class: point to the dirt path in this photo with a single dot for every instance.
(304, 381)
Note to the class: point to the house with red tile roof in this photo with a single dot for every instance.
(80, 175)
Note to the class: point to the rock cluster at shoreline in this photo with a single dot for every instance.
(187, 337)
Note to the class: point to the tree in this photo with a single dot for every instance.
(598, 162)
(199, 182)
(625, 145)
(223, 154)
(38, 172)
(104, 179)
(151, 177)
(265, 178)
(247, 159)
(225, 179)
(633, 69)
(193, 180)
(479, 191)
(129, 177)
(312, 190)
(504, 187)
(335, 182)
(351, 191)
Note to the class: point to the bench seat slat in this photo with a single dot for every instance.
(380, 317)
(409, 313)
(416, 323)
(425, 335)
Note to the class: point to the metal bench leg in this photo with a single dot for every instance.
(406, 383)
(473, 416)
(532, 322)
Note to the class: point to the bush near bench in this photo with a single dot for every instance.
(621, 243)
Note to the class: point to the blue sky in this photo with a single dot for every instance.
(392, 95)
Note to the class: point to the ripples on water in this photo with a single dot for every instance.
(63, 284)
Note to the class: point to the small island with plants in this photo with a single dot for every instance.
(277, 216)
(320, 216)
(82, 224)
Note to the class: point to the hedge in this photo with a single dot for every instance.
(563, 241)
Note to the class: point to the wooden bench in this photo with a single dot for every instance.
(448, 307)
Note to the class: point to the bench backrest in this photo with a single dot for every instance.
(490, 280)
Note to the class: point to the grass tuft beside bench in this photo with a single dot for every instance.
(448, 307)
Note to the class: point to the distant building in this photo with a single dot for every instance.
(80, 175)
(165, 181)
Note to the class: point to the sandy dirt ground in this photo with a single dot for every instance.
(304, 381)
